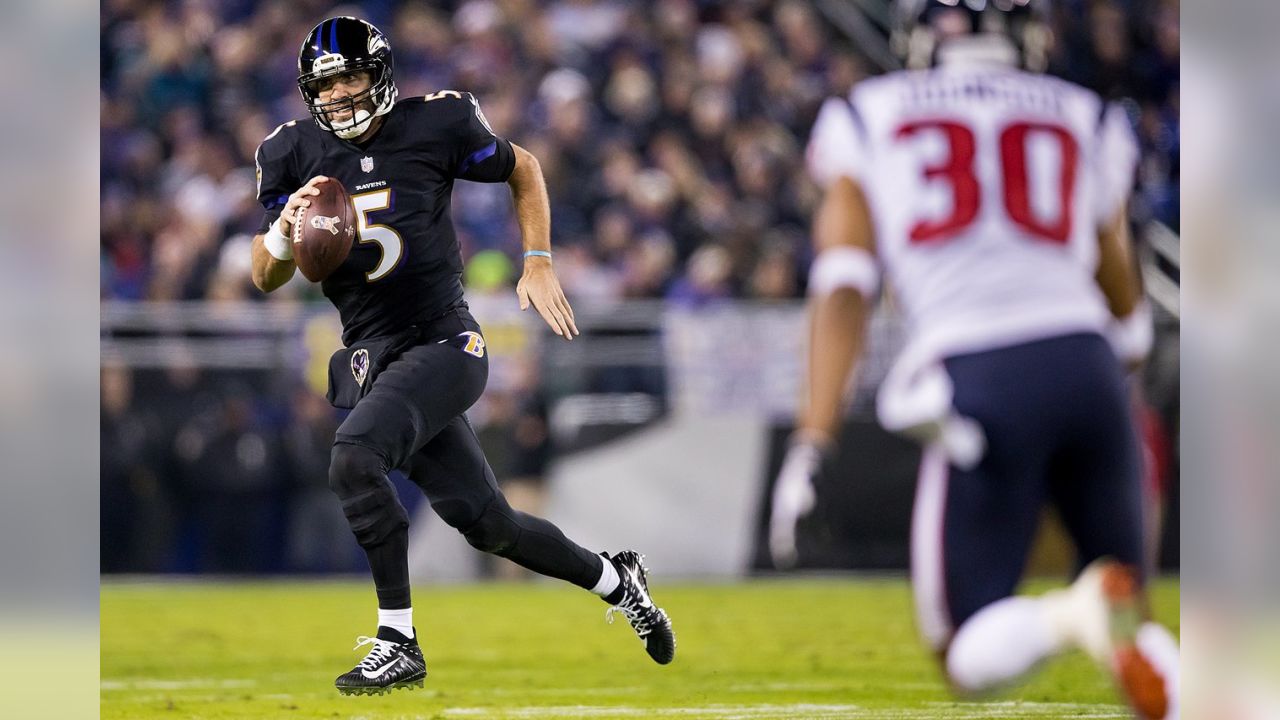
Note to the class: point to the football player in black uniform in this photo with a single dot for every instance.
(415, 359)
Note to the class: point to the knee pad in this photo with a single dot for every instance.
(358, 476)
(495, 531)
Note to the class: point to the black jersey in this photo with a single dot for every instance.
(405, 266)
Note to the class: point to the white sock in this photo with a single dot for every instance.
(609, 579)
(399, 620)
(1077, 620)
(1001, 643)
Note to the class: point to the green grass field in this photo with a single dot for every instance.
(811, 648)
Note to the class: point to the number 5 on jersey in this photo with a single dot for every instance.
(388, 240)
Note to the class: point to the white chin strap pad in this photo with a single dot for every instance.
(347, 129)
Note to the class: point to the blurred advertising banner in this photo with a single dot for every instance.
(749, 358)
(729, 359)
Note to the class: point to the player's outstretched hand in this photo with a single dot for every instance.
(540, 288)
(298, 200)
(793, 498)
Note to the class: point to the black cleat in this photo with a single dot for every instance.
(632, 599)
(394, 662)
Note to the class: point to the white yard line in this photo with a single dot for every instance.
(974, 711)
(570, 691)
(715, 711)
(747, 687)
(189, 684)
(723, 712)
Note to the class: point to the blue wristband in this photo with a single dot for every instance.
(537, 253)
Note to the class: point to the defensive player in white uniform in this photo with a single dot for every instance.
(991, 200)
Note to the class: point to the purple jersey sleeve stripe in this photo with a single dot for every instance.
(478, 156)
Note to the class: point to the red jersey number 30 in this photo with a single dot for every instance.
(957, 170)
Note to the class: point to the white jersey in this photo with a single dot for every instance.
(986, 186)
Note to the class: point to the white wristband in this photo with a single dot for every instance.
(841, 267)
(1132, 335)
(276, 242)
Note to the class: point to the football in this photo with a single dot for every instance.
(324, 232)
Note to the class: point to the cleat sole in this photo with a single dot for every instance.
(401, 685)
(662, 652)
(1142, 684)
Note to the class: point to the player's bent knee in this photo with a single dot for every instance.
(494, 532)
(358, 477)
(353, 468)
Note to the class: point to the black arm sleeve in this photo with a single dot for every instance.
(483, 156)
(276, 177)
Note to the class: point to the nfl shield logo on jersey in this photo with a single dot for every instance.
(360, 365)
(366, 164)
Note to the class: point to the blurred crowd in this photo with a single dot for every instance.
(671, 133)
(226, 471)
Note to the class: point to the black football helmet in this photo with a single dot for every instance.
(341, 45)
(1018, 29)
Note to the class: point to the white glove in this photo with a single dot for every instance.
(793, 498)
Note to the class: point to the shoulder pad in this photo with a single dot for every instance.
(451, 105)
(449, 94)
(279, 142)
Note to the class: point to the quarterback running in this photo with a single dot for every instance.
(414, 358)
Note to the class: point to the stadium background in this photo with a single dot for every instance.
(671, 134)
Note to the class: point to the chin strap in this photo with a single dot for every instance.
(354, 127)
(362, 119)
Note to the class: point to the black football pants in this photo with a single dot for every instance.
(412, 418)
